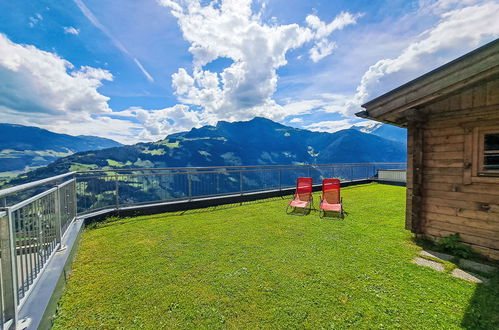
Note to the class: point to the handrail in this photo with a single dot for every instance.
(233, 170)
(232, 167)
(9, 191)
(31, 200)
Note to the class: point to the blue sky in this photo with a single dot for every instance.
(139, 70)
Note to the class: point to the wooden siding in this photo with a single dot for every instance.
(440, 201)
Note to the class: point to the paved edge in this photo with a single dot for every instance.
(429, 263)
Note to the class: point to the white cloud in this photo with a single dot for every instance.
(330, 126)
(71, 30)
(230, 29)
(296, 120)
(295, 108)
(40, 88)
(457, 31)
(34, 20)
(323, 47)
(157, 124)
(95, 21)
(33, 80)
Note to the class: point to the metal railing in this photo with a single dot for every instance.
(30, 233)
(392, 175)
(100, 189)
(35, 216)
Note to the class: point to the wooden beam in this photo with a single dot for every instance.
(414, 216)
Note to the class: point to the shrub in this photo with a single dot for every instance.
(453, 245)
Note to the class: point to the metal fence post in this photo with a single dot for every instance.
(58, 217)
(189, 183)
(75, 198)
(280, 180)
(241, 182)
(117, 193)
(8, 266)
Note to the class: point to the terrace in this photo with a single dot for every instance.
(225, 255)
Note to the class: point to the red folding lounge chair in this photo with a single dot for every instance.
(303, 199)
(331, 200)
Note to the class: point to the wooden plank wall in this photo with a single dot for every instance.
(448, 205)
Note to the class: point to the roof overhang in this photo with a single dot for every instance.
(398, 106)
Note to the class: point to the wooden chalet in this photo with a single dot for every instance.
(452, 117)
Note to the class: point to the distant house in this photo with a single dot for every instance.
(452, 117)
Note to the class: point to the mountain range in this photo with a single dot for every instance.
(24, 148)
(256, 142)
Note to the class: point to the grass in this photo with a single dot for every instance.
(252, 266)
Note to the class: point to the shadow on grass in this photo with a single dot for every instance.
(483, 309)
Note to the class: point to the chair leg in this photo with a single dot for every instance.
(305, 210)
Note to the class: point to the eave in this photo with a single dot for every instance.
(477, 66)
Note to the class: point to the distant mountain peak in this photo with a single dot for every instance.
(367, 127)
(386, 131)
(254, 121)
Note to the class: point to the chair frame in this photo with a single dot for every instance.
(291, 210)
(322, 212)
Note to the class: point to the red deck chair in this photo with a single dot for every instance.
(303, 197)
(331, 200)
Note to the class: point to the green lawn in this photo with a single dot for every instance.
(253, 266)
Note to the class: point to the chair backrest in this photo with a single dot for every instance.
(303, 189)
(331, 191)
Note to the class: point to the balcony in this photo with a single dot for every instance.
(240, 263)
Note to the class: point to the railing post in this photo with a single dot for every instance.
(75, 198)
(117, 192)
(218, 182)
(309, 169)
(8, 266)
(280, 180)
(4, 202)
(241, 182)
(58, 217)
(189, 184)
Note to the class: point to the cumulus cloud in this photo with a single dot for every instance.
(156, 124)
(71, 30)
(33, 80)
(457, 31)
(230, 29)
(43, 89)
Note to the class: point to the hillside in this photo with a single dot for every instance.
(255, 142)
(24, 147)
